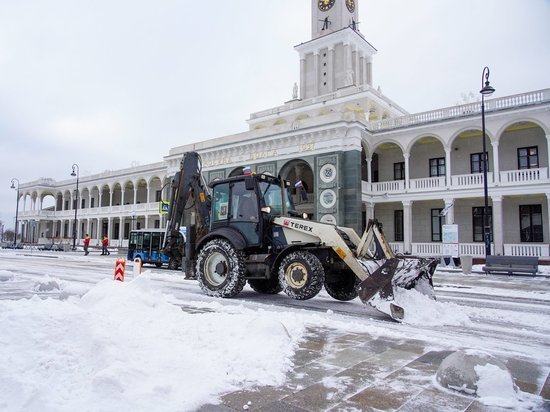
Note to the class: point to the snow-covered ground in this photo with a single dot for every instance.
(71, 338)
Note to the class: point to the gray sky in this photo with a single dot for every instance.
(108, 84)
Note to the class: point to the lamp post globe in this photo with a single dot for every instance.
(75, 172)
(486, 90)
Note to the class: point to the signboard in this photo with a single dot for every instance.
(450, 241)
(163, 207)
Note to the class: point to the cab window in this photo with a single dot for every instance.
(220, 202)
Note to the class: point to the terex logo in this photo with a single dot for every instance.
(286, 223)
(300, 226)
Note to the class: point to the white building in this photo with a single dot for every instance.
(359, 155)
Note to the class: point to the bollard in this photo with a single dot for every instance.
(120, 267)
(138, 264)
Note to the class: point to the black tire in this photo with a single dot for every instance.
(301, 275)
(266, 286)
(173, 264)
(220, 269)
(342, 285)
(158, 264)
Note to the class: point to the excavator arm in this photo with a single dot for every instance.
(189, 194)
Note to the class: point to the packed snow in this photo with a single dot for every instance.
(107, 345)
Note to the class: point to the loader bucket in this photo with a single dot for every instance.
(392, 279)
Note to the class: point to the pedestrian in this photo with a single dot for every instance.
(86, 244)
(105, 244)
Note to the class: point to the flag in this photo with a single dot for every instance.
(247, 170)
(298, 184)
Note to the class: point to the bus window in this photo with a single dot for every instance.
(156, 240)
(147, 242)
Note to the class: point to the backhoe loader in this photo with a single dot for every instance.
(245, 229)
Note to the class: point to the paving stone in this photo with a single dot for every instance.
(435, 400)
(434, 357)
(320, 396)
(477, 406)
(304, 356)
(214, 408)
(282, 407)
(526, 374)
(545, 392)
(348, 357)
(352, 339)
(379, 345)
(385, 396)
(255, 398)
(307, 375)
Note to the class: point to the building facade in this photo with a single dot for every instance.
(358, 155)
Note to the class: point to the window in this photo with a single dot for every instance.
(528, 157)
(399, 171)
(437, 167)
(220, 202)
(476, 163)
(157, 224)
(158, 196)
(530, 223)
(92, 202)
(437, 225)
(398, 225)
(477, 223)
(83, 204)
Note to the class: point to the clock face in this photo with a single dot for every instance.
(351, 5)
(325, 5)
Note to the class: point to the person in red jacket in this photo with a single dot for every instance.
(105, 244)
(86, 244)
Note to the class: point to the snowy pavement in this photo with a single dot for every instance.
(73, 339)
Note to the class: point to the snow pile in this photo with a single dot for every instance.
(6, 275)
(123, 346)
(423, 310)
(495, 387)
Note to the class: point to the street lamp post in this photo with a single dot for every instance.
(16, 209)
(77, 173)
(486, 90)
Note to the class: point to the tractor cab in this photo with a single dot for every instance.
(247, 203)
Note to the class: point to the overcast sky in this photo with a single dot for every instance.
(108, 84)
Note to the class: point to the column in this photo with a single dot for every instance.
(363, 78)
(110, 198)
(330, 70)
(369, 70)
(369, 171)
(302, 77)
(450, 211)
(109, 227)
(347, 64)
(496, 166)
(357, 68)
(316, 73)
(121, 230)
(448, 176)
(369, 210)
(135, 192)
(407, 173)
(498, 235)
(407, 226)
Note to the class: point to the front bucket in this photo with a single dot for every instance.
(394, 277)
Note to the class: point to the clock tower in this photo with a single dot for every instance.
(329, 16)
(338, 55)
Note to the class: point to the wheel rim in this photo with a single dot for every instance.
(216, 268)
(296, 275)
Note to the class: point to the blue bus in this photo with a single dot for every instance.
(146, 245)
